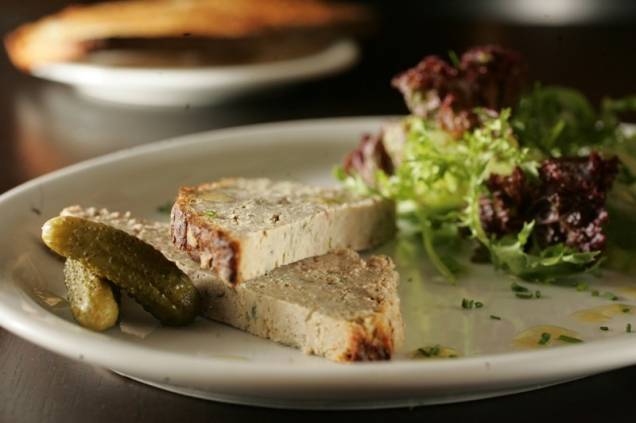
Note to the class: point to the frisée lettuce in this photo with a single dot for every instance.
(533, 184)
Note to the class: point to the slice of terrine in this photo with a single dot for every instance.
(339, 305)
(243, 228)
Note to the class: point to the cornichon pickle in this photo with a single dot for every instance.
(92, 300)
(136, 267)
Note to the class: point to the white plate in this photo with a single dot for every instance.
(195, 86)
(217, 362)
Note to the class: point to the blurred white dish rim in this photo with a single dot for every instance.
(174, 86)
(213, 361)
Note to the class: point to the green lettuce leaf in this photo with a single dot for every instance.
(439, 180)
(437, 175)
(558, 121)
(516, 255)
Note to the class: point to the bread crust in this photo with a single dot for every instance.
(76, 30)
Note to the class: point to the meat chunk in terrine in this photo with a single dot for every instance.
(243, 228)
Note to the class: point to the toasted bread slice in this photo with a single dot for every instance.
(338, 305)
(243, 228)
(74, 31)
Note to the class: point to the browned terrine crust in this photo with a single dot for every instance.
(376, 340)
(211, 246)
(376, 345)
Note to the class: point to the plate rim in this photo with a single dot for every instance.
(601, 355)
(337, 56)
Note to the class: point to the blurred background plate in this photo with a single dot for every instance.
(104, 77)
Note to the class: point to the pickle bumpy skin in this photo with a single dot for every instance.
(134, 266)
(92, 301)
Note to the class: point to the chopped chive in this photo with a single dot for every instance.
(518, 288)
(610, 296)
(454, 58)
(604, 328)
(165, 208)
(470, 304)
(429, 351)
(524, 295)
(424, 351)
(493, 317)
(595, 293)
(545, 338)
(569, 339)
(626, 310)
(628, 328)
(582, 287)
(537, 294)
(209, 213)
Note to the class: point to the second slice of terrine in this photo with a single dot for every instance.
(243, 228)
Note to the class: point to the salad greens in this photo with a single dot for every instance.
(439, 180)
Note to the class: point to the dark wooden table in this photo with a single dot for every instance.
(44, 127)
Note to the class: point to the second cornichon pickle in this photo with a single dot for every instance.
(92, 300)
(131, 264)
